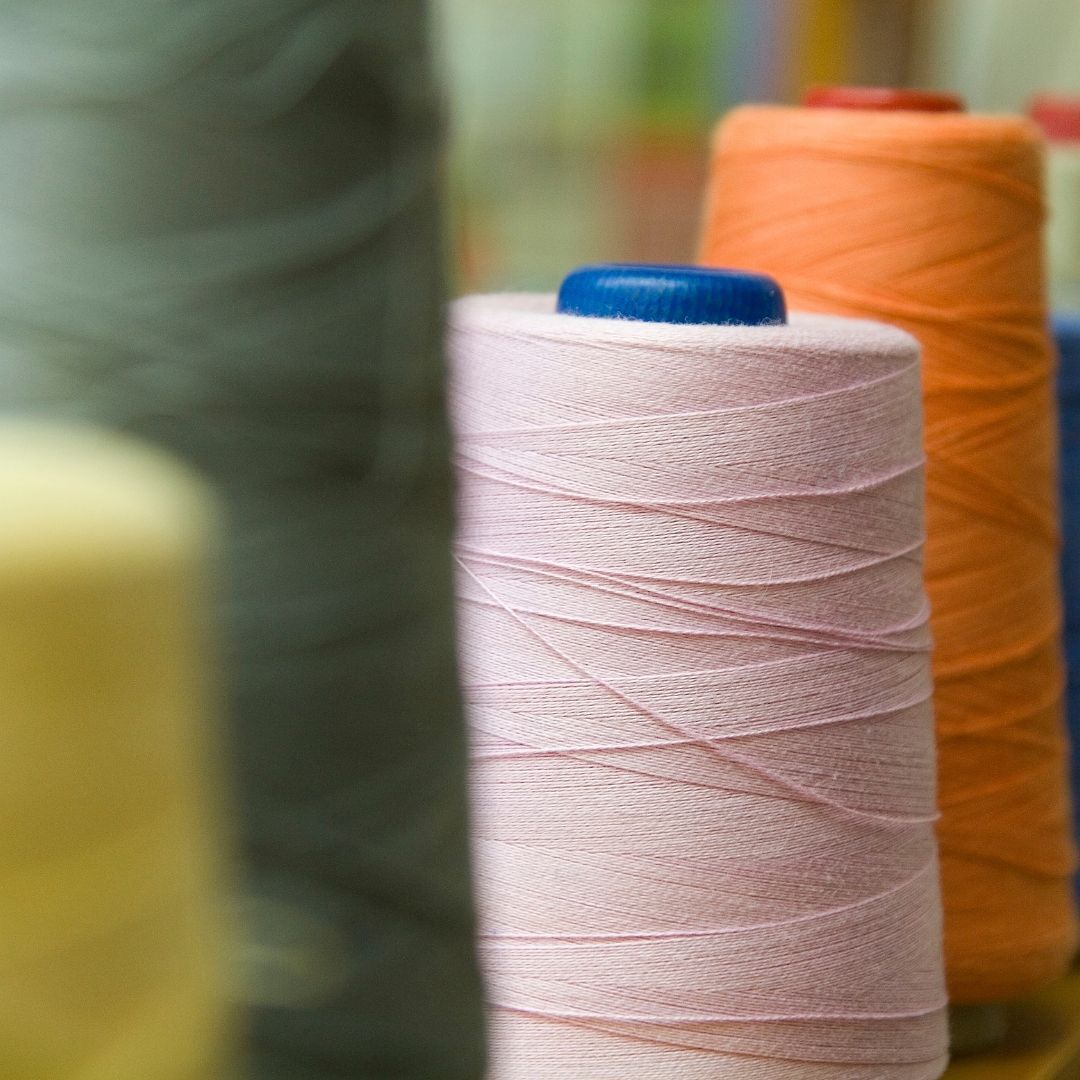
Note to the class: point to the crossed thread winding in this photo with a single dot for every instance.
(932, 222)
(695, 653)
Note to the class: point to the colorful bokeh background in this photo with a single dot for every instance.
(579, 128)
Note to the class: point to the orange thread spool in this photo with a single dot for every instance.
(932, 221)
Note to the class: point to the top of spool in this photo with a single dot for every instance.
(672, 294)
(1057, 115)
(881, 99)
(81, 502)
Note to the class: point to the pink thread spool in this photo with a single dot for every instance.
(696, 665)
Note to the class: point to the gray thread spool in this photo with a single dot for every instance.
(221, 223)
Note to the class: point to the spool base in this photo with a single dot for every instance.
(1041, 1041)
(974, 1029)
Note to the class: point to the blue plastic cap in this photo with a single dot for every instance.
(672, 294)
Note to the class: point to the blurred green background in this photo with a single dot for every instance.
(579, 128)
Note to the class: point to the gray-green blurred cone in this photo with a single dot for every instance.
(219, 225)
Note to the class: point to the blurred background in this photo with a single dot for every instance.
(579, 128)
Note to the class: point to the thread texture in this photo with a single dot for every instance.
(696, 663)
(221, 223)
(933, 223)
(111, 957)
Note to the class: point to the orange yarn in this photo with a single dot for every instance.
(932, 222)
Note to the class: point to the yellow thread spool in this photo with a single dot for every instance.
(108, 865)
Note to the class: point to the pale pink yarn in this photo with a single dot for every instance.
(695, 652)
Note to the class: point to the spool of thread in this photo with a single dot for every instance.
(1066, 327)
(1059, 118)
(695, 655)
(110, 888)
(222, 233)
(932, 221)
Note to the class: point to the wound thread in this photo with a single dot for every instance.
(222, 231)
(112, 935)
(932, 223)
(695, 655)
(1066, 326)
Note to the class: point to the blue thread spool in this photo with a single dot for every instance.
(672, 294)
(1066, 329)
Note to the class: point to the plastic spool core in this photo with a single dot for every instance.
(1058, 116)
(881, 99)
(672, 294)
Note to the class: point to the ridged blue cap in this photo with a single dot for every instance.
(672, 294)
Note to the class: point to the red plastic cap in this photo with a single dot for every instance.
(1059, 117)
(881, 99)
